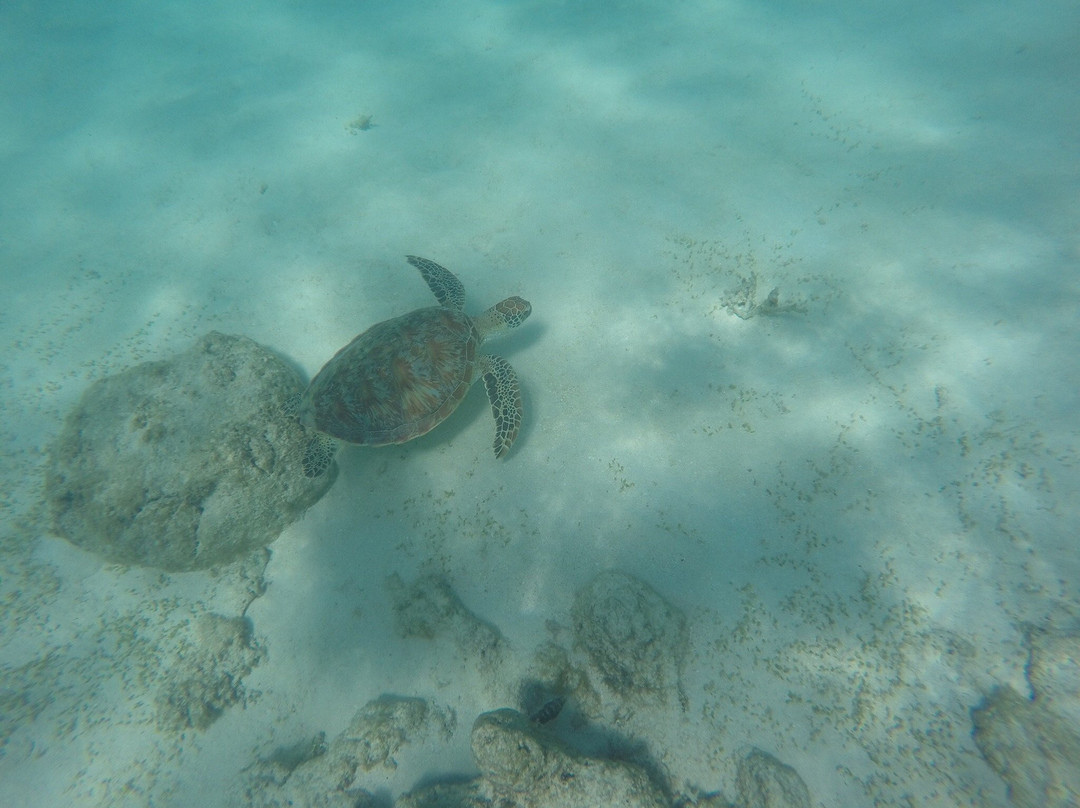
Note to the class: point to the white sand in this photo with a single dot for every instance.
(858, 505)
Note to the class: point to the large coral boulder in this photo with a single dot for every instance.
(186, 463)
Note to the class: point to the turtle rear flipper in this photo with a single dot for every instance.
(504, 393)
(318, 455)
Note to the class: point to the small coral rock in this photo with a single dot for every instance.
(635, 638)
(764, 782)
(1034, 750)
(526, 767)
(386, 725)
(1054, 671)
(206, 675)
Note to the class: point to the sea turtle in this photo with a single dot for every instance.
(403, 377)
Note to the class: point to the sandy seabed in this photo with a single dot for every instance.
(801, 368)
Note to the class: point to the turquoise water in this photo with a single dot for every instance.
(859, 493)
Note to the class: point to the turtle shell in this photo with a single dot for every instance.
(397, 380)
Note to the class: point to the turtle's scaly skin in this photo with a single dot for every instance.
(403, 377)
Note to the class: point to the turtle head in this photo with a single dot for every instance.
(513, 311)
(503, 316)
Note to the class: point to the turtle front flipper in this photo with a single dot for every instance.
(442, 282)
(505, 397)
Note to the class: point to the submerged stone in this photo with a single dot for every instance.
(186, 463)
(524, 765)
(765, 782)
(1034, 749)
(205, 675)
(633, 636)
